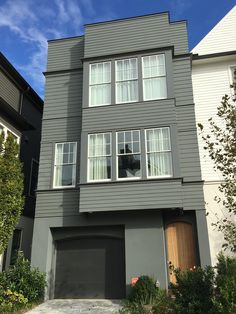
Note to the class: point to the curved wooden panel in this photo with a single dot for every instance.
(181, 248)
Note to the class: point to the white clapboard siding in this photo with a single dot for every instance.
(211, 80)
(221, 38)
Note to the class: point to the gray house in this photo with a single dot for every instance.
(21, 111)
(120, 192)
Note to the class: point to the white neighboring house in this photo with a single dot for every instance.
(214, 61)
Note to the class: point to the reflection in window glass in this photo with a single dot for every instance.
(128, 154)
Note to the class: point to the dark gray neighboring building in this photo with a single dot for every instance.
(120, 191)
(21, 111)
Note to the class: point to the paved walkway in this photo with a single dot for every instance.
(77, 306)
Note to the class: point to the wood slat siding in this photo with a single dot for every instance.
(131, 115)
(63, 95)
(130, 196)
(9, 92)
(193, 196)
(211, 81)
(57, 203)
(135, 34)
(65, 54)
(182, 81)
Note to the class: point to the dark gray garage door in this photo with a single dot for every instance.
(90, 268)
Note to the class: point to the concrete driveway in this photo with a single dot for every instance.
(78, 306)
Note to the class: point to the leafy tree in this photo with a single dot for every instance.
(221, 146)
(11, 188)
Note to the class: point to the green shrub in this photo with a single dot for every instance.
(144, 291)
(225, 295)
(193, 291)
(11, 301)
(20, 278)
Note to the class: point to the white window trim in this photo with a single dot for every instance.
(5, 129)
(136, 79)
(146, 155)
(88, 159)
(54, 172)
(117, 163)
(144, 96)
(99, 105)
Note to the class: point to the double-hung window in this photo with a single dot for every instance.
(99, 157)
(158, 150)
(100, 84)
(154, 77)
(65, 165)
(126, 80)
(128, 154)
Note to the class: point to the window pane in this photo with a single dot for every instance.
(99, 168)
(127, 91)
(126, 69)
(155, 88)
(100, 94)
(129, 166)
(159, 164)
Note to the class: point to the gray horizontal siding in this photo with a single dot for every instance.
(131, 196)
(189, 155)
(9, 92)
(65, 54)
(131, 115)
(186, 117)
(57, 203)
(147, 32)
(193, 197)
(63, 95)
(45, 166)
(182, 81)
(61, 130)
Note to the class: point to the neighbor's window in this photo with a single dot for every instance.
(16, 245)
(99, 157)
(65, 164)
(154, 77)
(158, 150)
(128, 154)
(7, 131)
(233, 77)
(100, 84)
(126, 80)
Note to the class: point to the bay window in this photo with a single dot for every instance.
(126, 80)
(99, 157)
(128, 154)
(154, 77)
(65, 164)
(100, 84)
(158, 152)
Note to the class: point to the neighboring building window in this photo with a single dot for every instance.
(158, 150)
(7, 131)
(100, 84)
(99, 157)
(126, 80)
(16, 245)
(154, 77)
(33, 177)
(233, 78)
(65, 164)
(128, 154)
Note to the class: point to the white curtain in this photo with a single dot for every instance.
(58, 165)
(98, 157)
(100, 83)
(154, 77)
(126, 80)
(159, 154)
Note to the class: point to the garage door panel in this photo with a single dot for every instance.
(90, 268)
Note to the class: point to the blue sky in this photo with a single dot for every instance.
(26, 25)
